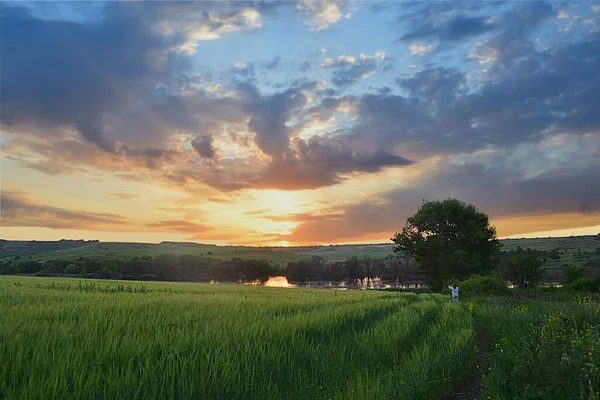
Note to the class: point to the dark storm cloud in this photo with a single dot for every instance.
(60, 74)
(528, 95)
(205, 148)
(320, 162)
(308, 164)
(435, 85)
(269, 117)
(326, 109)
(455, 22)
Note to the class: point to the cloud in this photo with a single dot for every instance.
(456, 28)
(117, 79)
(349, 69)
(435, 85)
(269, 117)
(419, 50)
(307, 164)
(453, 23)
(205, 148)
(257, 212)
(75, 85)
(273, 64)
(529, 95)
(118, 95)
(125, 196)
(495, 190)
(18, 209)
(179, 226)
(322, 14)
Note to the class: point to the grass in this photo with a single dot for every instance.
(75, 339)
(571, 245)
(541, 349)
(68, 339)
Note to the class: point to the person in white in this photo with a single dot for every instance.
(454, 292)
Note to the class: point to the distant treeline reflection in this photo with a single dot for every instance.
(194, 268)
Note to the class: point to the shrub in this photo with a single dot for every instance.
(586, 285)
(73, 269)
(484, 285)
(43, 272)
(571, 273)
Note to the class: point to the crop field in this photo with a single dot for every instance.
(72, 339)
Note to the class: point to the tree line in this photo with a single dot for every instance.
(524, 267)
(395, 270)
(164, 267)
(445, 240)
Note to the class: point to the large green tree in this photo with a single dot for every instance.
(525, 270)
(448, 239)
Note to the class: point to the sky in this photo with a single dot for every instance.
(295, 123)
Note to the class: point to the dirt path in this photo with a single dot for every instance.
(470, 387)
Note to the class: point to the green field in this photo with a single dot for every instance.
(70, 339)
(75, 339)
(572, 246)
(117, 251)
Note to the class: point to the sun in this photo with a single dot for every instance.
(279, 202)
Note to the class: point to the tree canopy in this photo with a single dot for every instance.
(448, 239)
(525, 270)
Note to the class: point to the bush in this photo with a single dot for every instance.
(44, 272)
(571, 273)
(484, 285)
(73, 269)
(586, 285)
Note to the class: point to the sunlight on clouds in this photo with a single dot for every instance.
(246, 19)
(268, 227)
(315, 127)
(343, 59)
(369, 187)
(279, 202)
(483, 54)
(322, 14)
(420, 50)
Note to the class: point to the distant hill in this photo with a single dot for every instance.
(572, 248)
(16, 248)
